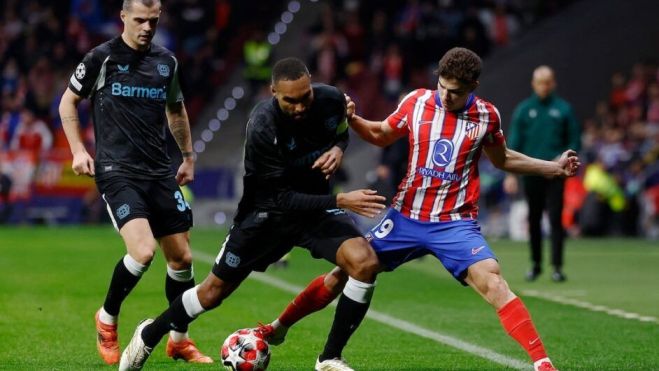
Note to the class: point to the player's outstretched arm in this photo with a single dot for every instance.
(179, 125)
(82, 163)
(506, 159)
(375, 132)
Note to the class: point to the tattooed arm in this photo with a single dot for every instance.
(179, 125)
(82, 163)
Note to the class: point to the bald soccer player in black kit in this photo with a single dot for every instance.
(294, 143)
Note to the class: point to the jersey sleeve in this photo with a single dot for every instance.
(342, 137)
(85, 77)
(494, 135)
(174, 93)
(398, 120)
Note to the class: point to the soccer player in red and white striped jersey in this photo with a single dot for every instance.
(442, 181)
(436, 207)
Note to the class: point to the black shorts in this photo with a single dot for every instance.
(262, 238)
(160, 201)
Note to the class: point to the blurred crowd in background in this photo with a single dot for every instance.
(373, 50)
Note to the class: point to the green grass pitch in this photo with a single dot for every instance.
(52, 280)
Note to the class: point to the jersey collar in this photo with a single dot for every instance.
(470, 101)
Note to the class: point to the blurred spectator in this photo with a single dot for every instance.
(32, 134)
(622, 140)
(193, 16)
(392, 72)
(5, 188)
(501, 26)
(543, 126)
(329, 49)
(604, 199)
(472, 33)
(618, 95)
(653, 103)
(257, 52)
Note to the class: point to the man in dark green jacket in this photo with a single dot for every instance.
(543, 126)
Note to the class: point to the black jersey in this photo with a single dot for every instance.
(129, 90)
(279, 153)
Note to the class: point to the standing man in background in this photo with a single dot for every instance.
(134, 89)
(543, 126)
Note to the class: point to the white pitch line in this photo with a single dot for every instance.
(394, 322)
(589, 306)
(574, 302)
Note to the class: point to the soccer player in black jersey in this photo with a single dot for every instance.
(294, 143)
(133, 86)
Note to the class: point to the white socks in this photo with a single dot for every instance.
(358, 291)
(184, 275)
(106, 318)
(134, 267)
(178, 337)
(191, 303)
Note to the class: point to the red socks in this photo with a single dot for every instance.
(314, 298)
(516, 319)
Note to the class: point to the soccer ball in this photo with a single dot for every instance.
(245, 350)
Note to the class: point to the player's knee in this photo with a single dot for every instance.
(143, 254)
(182, 261)
(362, 264)
(497, 289)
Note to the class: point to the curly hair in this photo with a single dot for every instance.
(461, 64)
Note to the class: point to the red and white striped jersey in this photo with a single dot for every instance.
(442, 182)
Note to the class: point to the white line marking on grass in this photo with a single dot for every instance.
(592, 307)
(393, 322)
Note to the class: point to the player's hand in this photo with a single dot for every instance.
(569, 163)
(83, 164)
(329, 161)
(350, 107)
(185, 173)
(365, 202)
(510, 185)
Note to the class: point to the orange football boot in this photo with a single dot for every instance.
(107, 341)
(187, 351)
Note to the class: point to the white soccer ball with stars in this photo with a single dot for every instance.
(245, 350)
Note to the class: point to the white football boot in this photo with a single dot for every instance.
(136, 353)
(334, 364)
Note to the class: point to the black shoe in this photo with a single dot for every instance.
(533, 274)
(558, 276)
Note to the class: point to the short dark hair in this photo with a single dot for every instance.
(289, 69)
(128, 3)
(461, 64)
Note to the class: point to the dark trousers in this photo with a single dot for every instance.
(545, 194)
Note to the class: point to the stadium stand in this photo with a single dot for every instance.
(372, 50)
